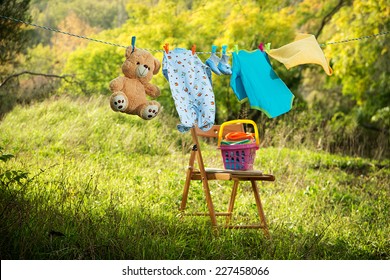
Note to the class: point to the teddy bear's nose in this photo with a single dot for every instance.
(142, 71)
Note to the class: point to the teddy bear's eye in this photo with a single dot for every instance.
(138, 63)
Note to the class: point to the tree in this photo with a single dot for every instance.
(64, 44)
(13, 36)
(361, 68)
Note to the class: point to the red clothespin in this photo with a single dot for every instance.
(166, 47)
(193, 49)
(261, 47)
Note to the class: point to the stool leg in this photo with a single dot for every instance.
(188, 182)
(209, 202)
(260, 208)
(231, 202)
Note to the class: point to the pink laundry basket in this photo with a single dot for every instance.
(238, 156)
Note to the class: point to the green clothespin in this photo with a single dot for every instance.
(267, 47)
(236, 48)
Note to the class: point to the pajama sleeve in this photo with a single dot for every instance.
(235, 80)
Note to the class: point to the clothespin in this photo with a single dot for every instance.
(261, 46)
(166, 47)
(267, 47)
(236, 48)
(224, 47)
(213, 49)
(193, 49)
(133, 43)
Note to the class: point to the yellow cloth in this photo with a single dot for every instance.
(305, 49)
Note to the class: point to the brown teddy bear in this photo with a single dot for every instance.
(129, 92)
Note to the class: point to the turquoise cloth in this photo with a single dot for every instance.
(253, 79)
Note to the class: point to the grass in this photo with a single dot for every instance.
(88, 183)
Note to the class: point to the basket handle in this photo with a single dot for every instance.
(238, 122)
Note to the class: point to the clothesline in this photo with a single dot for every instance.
(154, 50)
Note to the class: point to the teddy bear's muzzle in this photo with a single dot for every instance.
(142, 71)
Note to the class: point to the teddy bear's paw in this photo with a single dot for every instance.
(118, 102)
(150, 111)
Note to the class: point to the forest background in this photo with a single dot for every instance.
(348, 112)
(79, 181)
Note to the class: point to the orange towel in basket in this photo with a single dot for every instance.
(238, 136)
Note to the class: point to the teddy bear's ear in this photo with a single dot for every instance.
(129, 51)
(157, 66)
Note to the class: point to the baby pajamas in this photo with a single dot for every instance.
(191, 87)
(253, 79)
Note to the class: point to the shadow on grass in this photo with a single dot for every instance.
(30, 229)
(318, 245)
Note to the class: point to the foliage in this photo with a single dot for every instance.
(28, 88)
(9, 179)
(13, 37)
(98, 188)
(102, 187)
(101, 14)
(231, 23)
(338, 133)
(360, 67)
(93, 67)
(5, 157)
(356, 96)
(216, 22)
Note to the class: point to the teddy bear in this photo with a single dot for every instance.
(129, 91)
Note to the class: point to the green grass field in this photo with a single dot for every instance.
(88, 183)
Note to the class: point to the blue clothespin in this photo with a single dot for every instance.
(213, 49)
(224, 47)
(133, 43)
